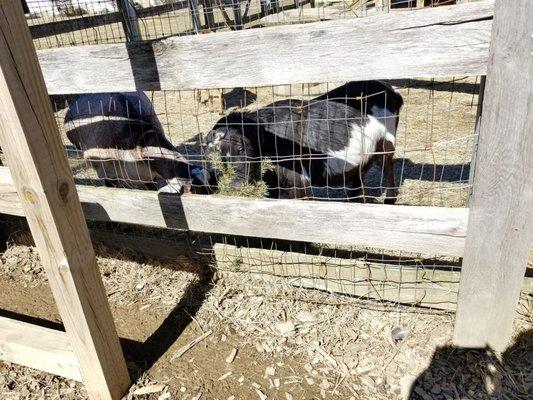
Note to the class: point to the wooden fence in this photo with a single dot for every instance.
(431, 42)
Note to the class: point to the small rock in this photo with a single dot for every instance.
(241, 380)
(183, 389)
(310, 381)
(139, 286)
(270, 371)
(288, 396)
(277, 383)
(398, 334)
(231, 398)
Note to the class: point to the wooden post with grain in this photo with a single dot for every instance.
(500, 233)
(130, 21)
(32, 144)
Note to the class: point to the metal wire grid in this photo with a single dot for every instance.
(58, 23)
(434, 141)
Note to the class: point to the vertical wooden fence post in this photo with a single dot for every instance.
(32, 144)
(477, 128)
(500, 231)
(130, 21)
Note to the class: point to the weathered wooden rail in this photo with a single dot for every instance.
(93, 21)
(386, 46)
(425, 230)
(433, 42)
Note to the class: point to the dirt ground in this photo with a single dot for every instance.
(263, 340)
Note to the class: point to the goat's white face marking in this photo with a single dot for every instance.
(214, 138)
(380, 123)
(174, 185)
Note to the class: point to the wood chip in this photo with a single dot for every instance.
(277, 383)
(190, 345)
(325, 384)
(197, 397)
(231, 398)
(149, 389)
(305, 317)
(231, 356)
(422, 393)
(261, 395)
(164, 396)
(324, 354)
(286, 328)
(225, 376)
(270, 371)
(288, 396)
(256, 385)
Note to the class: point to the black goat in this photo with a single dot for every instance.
(123, 140)
(327, 141)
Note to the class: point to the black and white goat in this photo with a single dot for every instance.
(122, 138)
(327, 141)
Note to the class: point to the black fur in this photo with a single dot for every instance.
(296, 135)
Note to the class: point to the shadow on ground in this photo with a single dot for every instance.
(464, 373)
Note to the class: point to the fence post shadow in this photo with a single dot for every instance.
(460, 372)
(156, 345)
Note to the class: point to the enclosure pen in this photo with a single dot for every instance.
(457, 239)
(90, 349)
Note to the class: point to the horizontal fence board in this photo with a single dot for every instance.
(443, 41)
(37, 347)
(425, 230)
(368, 279)
(355, 277)
(427, 287)
(93, 21)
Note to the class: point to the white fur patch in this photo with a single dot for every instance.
(174, 185)
(214, 138)
(137, 154)
(381, 124)
(79, 122)
(125, 170)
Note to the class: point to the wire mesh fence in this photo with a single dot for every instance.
(57, 23)
(336, 141)
(300, 141)
(433, 148)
